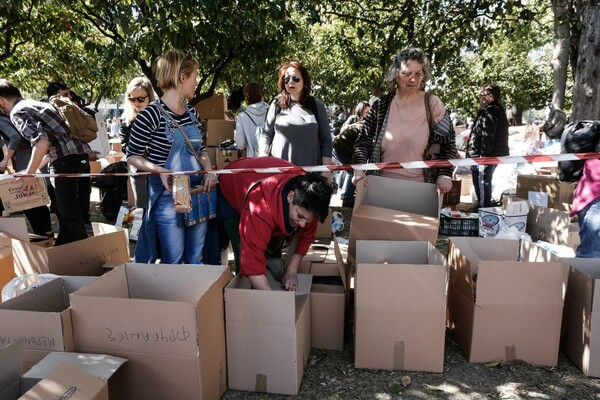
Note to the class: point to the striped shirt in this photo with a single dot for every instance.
(36, 120)
(148, 139)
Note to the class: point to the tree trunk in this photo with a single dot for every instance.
(514, 115)
(560, 53)
(586, 99)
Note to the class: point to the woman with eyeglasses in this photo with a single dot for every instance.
(297, 125)
(397, 127)
(138, 95)
(157, 144)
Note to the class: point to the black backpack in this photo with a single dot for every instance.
(578, 137)
(343, 142)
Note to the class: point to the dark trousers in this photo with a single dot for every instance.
(482, 177)
(39, 219)
(72, 198)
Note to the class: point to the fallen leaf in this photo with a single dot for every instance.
(405, 380)
(493, 364)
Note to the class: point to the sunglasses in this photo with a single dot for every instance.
(483, 94)
(286, 80)
(139, 99)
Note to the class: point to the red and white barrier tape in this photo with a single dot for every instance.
(461, 162)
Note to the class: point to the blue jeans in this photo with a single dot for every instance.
(178, 243)
(483, 179)
(589, 231)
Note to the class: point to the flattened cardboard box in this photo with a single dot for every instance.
(329, 299)
(68, 382)
(42, 317)
(400, 306)
(502, 308)
(166, 320)
(580, 337)
(101, 366)
(83, 257)
(394, 209)
(15, 199)
(11, 358)
(268, 336)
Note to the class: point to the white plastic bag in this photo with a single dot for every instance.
(22, 284)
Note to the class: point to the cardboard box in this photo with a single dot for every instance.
(545, 191)
(324, 230)
(225, 156)
(215, 107)
(453, 196)
(394, 209)
(268, 336)
(95, 167)
(10, 228)
(42, 317)
(68, 382)
(212, 155)
(14, 199)
(83, 257)
(114, 157)
(101, 366)
(11, 358)
(329, 297)
(548, 224)
(400, 310)
(218, 130)
(502, 308)
(166, 320)
(580, 337)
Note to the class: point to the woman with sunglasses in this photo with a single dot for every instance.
(297, 126)
(157, 144)
(138, 95)
(397, 126)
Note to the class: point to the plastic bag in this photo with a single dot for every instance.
(22, 284)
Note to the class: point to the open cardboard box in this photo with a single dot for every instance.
(15, 200)
(549, 225)
(503, 309)
(83, 257)
(42, 317)
(394, 209)
(329, 295)
(400, 306)
(268, 336)
(101, 366)
(10, 228)
(580, 337)
(546, 191)
(11, 359)
(166, 320)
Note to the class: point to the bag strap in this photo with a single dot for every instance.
(251, 119)
(187, 139)
(430, 121)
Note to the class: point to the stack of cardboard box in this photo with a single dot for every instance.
(217, 128)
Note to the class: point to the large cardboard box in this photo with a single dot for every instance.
(10, 228)
(101, 366)
(11, 358)
(329, 296)
(400, 310)
(215, 107)
(225, 156)
(268, 336)
(166, 320)
(502, 308)
(68, 382)
(42, 317)
(83, 257)
(549, 225)
(218, 131)
(580, 337)
(545, 191)
(14, 199)
(394, 209)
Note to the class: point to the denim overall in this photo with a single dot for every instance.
(179, 243)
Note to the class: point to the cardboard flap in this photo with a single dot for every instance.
(67, 381)
(397, 194)
(461, 268)
(518, 283)
(584, 281)
(345, 270)
(11, 358)
(392, 252)
(28, 257)
(15, 227)
(49, 297)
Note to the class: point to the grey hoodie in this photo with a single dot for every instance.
(247, 126)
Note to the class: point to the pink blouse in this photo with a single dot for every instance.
(588, 188)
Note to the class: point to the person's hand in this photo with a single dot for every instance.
(359, 176)
(28, 183)
(3, 165)
(210, 180)
(167, 181)
(290, 281)
(444, 184)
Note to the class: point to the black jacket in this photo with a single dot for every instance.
(489, 136)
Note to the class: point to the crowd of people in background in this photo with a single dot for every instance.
(163, 135)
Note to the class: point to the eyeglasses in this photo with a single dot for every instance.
(286, 80)
(410, 75)
(483, 94)
(139, 99)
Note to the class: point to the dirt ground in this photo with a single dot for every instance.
(331, 375)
